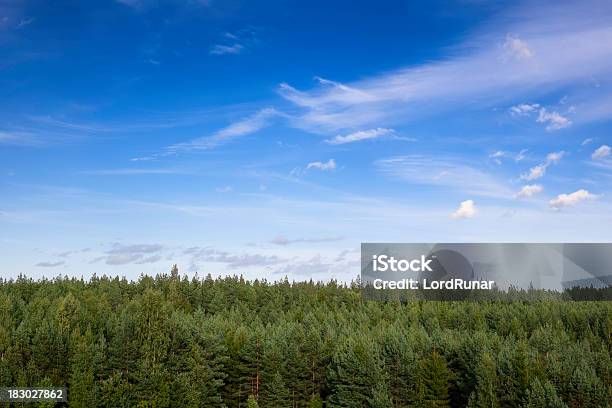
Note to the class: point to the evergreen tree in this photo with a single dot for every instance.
(169, 342)
(316, 402)
(252, 402)
(485, 394)
(542, 395)
(381, 397)
(355, 368)
(82, 377)
(277, 393)
(435, 378)
(174, 273)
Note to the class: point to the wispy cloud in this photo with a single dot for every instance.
(587, 141)
(553, 120)
(50, 264)
(199, 255)
(323, 166)
(224, 189)
(524, 109)
(220, 49)
(283, 240)
(515, 48)
(547, 51)
(234, 43)
(601, 152)
(360, 135)
(539, 171)
(318, 267)
(535, 172)
(122, 254)
(521, 155)
(529, 190)
(243, 127)
(19, 138)
(497, 156)
(447, 172)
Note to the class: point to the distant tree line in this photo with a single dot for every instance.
(176, 342)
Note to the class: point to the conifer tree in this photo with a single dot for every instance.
(485, 394)
(189, 343)
(435, 377)
(542, 395)
(381, 397)
(277, 393)
(252, 402)
(82, 377)
(355, 368)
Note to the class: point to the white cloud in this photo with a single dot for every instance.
(538, 171)
(497, 156)
(360, 135)
(570, 200)
(529, 190)
(524, 109)
(586, 141)
(467, 209)
(553, 119)
(221, 49)
(554, 157)
(554, 51)
(521, 155)
(234, 43)
(515, 48)
(535, 172)
(243, 127)
(329, 165)
(601, 152)
(447, 172)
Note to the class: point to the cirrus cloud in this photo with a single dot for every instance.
(360, 135)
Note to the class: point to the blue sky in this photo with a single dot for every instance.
(270, 138)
